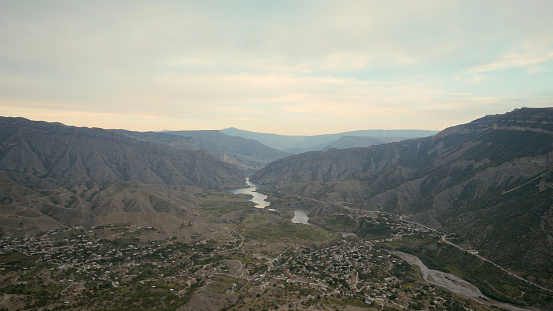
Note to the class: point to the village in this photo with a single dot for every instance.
(79, 268)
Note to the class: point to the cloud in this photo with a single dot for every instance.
(515, 60)
(353, 63)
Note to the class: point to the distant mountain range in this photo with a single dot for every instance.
(251, 151)
(300, 144)
(490, 181)
(54, 175)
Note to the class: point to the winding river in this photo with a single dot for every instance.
(300, 217)
(257, 198)
(442, 279)
(453, 283)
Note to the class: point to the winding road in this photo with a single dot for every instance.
(493, 263)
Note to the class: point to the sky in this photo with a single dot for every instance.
(286, 67)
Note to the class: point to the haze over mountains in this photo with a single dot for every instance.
(299, 144)
(251, 151)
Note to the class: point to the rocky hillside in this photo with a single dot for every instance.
(67, 155)
(246, 154)
(491, 181)
(54, 175)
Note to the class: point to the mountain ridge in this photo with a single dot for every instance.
(488, 181)
(55, 176)
(303, 143)
(246, 154)
(66, 154)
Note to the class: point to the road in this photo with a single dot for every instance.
(493, 263)
(454, 284)
(351, 209)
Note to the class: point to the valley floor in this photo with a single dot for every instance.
(243, 258)
(110, 268)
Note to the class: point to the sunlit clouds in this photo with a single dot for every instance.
(531, 62)
(288, 67)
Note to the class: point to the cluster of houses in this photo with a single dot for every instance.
(86, 263)
(352, 269)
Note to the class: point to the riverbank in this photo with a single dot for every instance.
(258, 198)
(453, 283)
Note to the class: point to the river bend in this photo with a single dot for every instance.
(453, 283)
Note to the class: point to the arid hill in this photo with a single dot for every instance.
(54, 175)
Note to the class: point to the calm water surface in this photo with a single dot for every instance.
(300, 217)
(257, 198)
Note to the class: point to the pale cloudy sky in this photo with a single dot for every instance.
(286, 67)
